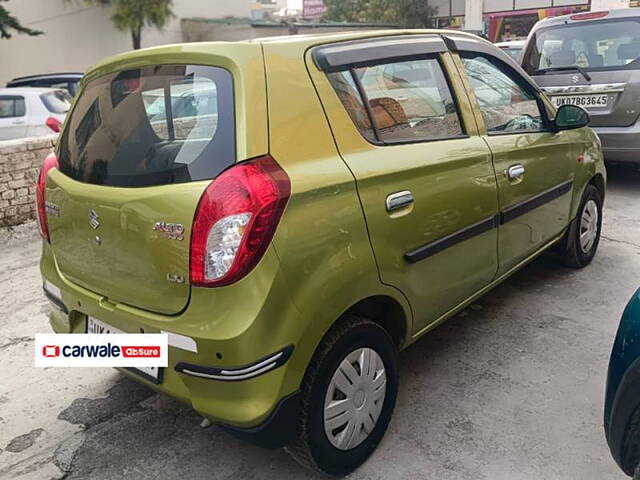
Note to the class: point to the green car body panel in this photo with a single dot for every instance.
(336, 248)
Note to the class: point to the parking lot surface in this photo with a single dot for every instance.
(511, 388)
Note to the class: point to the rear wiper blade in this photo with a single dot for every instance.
(577, 68)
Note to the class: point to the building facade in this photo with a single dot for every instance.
(77, 35)
(502, 20)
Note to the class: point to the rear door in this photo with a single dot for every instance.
(424, 176)
(534, 166)
(131, 174)
(13, 117)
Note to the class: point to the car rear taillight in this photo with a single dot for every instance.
(589, 15)
(54, 124)
(50, 162)
(235, 221)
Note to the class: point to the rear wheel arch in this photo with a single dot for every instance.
(380, 308)
(387, 312)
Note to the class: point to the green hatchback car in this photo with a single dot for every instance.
(294, 211)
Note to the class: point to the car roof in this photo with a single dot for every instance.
(567, 19)
(302, 42)
(27, 90)
(49, 76)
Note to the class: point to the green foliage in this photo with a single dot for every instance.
(8, 23)
(405, 13)
(134, 15)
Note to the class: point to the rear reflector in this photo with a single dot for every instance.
(589, 15)
(235, 221)
(49, 163)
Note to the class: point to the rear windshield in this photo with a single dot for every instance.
(151, 126)
(57, 102)
(595, 45)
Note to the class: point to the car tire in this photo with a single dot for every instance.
(630, 457)
(583, 236)
(328, 446)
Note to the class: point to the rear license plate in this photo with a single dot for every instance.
(586, 101)
(152, 374)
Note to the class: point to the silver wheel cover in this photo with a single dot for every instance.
(354, 399)
(588, 226)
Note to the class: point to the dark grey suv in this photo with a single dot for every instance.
(592, 60)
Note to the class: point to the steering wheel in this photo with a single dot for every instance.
(516, 122)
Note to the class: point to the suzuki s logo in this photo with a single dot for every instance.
(575, 79)
(94, 219)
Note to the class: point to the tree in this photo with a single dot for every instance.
(346, 10)
(8, 22)
(405, 13)
(414, 13)
(133, 15)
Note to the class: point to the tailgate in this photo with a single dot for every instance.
(137, 151)
(130, 245)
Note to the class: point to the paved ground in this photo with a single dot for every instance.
(509, 389)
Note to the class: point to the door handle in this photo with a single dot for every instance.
(515, 172)
(398, 200)
(18, 122)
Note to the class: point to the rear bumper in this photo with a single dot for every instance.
(217, 365)
(620, 144)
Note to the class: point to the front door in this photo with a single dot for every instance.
(534, 166)
(424, 177)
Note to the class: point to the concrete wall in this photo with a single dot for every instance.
(20, 162)
(76, 36)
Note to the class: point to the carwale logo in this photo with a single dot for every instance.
(101, 350)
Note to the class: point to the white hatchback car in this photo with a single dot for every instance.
(32, 112)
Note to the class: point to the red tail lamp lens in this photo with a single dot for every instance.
(49, 163)
(235, 221)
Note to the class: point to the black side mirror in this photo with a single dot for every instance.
(569, 117)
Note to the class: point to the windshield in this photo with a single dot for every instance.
(57, 102)
(596, 45)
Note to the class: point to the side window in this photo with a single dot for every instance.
(406, 101)
(347, 91)
(20, 107)
(12, 107)
(507, 105)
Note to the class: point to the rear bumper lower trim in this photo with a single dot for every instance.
(234, 374)
(278, 430)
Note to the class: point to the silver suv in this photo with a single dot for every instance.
(592, 60)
